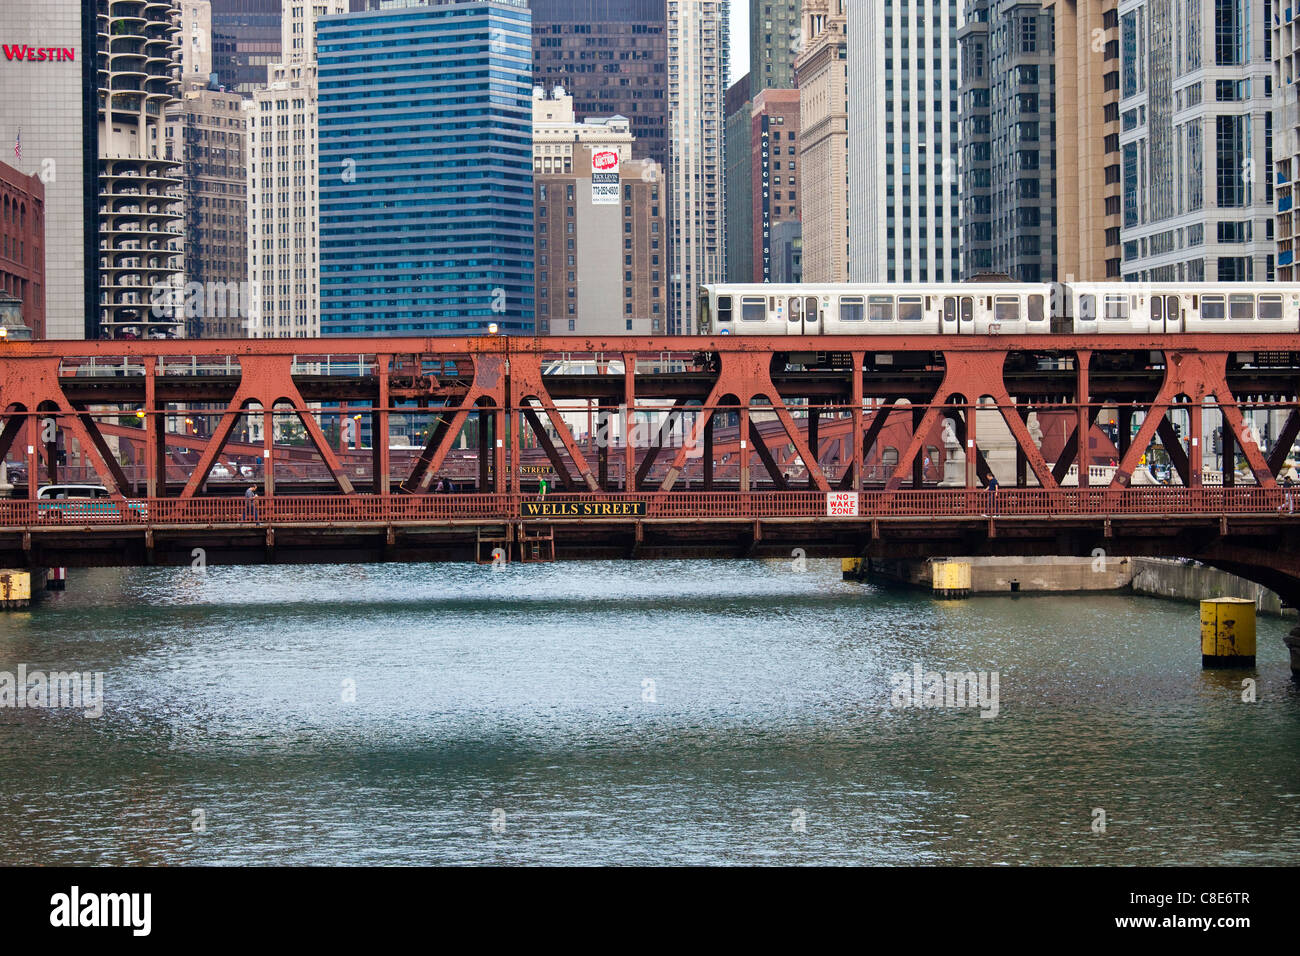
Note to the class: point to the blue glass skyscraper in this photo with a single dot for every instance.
(426, 183)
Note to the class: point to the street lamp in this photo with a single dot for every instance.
(11, 319)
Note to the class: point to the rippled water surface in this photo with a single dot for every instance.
(658, 712)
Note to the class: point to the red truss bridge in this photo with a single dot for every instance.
(687, 446)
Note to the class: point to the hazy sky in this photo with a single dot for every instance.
(739, 39)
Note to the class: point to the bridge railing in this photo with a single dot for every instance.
(372, 509)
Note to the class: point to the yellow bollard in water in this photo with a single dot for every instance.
(950, 579)
(15, 589)
(853, 569)
(1227, 633)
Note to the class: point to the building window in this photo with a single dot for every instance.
(1029, 34)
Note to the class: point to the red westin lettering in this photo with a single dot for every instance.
(45, 54)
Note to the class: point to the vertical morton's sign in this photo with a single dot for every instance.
(765, 205)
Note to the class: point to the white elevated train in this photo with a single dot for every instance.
(1005, 308)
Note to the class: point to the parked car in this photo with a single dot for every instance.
(85, 503)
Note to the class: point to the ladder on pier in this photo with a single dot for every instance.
(536, 545)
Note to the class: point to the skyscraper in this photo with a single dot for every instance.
(426, 169)
(821, 70)
(904, 186)
(774, 132)
(49, 128)
(246, 41)
(1286, 139)
(207, 136)
(1008, 161)
(775, 39)
(612, 57)
(1087, 139)
(740, 184)
(141, 230)
(196, 41)
(283, 174)
(697, 74)
(1196, 141)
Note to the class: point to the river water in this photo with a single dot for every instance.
(634, 713)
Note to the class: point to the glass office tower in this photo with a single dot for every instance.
(426, 169)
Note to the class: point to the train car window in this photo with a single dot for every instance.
(968, 308)
(1241, 306)
(1270, 307)
(1115, 307)
(1157, 308)
(724, 308)
(1173, 308)
(753, 309)
(810, 308)
(795, 309)
(1212, 307)
(880, 308)
(704, 309)
(1087, 307)
(909, 308)
(852, 308)
(1007, 308)
(1036, 308)
(950, 308)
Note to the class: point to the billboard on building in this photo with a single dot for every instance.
(604, 177)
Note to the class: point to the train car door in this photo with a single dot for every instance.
(812, 317)
(803, 317)
(966, 315)
(1166, 314)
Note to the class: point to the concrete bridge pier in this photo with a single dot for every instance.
(1292, 642)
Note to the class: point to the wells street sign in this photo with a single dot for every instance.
(584, 509)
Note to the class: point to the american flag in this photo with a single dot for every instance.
(18, 144)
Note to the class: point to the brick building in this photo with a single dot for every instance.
(22, 244)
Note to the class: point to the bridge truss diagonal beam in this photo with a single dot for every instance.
(263, 381)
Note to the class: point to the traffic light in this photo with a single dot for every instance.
(1216, 441)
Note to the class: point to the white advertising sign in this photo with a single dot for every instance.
(604, 177)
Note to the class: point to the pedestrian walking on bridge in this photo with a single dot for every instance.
(993, 495)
